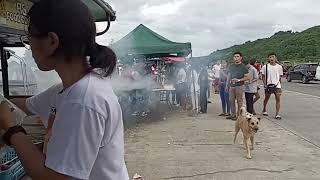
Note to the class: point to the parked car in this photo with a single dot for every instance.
(304, 72)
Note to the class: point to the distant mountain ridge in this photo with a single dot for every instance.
(288, 45)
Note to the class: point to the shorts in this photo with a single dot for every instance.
(278, 91)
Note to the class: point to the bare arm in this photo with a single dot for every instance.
(228, 80)
(254, 78)
(21, 104)
(33, 160)
(264, 80)
(246, 77)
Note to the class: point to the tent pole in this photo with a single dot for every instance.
(4, 70)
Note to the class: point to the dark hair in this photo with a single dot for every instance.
(252, 61)
(270, 54)
(225, 61)
(245, 62)
(75, 26)
(238, 53)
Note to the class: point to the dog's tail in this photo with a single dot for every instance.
(243, 111)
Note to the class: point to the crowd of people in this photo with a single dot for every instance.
(239, 81)
(238, 84)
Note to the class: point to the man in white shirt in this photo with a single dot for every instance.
(181, 85)
(271, 76)
(216, 74)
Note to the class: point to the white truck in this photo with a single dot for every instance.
(317, 77)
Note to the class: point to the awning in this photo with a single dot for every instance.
(101, 10)
(174, 59)
(10, 31)
(143, 41)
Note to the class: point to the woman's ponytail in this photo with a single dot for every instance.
(102, 58)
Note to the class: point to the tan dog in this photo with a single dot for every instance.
(248, 124)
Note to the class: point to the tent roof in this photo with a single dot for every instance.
(144, 41)
(174, 59)
(100, 9)
(10, 33)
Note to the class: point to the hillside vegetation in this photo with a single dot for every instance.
(289, 46)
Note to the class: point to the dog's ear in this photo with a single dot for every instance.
(249, 119)
(259, 118)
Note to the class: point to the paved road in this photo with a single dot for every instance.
(312, 88)
(183, 147)
(300, 110)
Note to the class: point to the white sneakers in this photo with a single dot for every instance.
(277, 116)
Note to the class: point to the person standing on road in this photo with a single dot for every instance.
(216, 74)
(251, 87)
(224, 95)
(195, 89)
(257, 66)
(203, 82)
(271, 76)
(210, 83)
(182, 85)
(238, 74)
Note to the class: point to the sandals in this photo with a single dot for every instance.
(278, 117)
(224, 114)
(265, 114)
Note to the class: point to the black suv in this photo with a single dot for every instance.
(304, 72)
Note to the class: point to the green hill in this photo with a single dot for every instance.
(288, 45)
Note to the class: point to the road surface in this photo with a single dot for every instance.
(312, 88)
(299, 109)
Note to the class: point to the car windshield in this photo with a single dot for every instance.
(312, 67)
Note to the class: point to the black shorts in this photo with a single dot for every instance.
(278, 91)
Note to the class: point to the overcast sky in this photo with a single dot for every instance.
(212, 24)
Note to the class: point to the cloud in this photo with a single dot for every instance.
(212, 24)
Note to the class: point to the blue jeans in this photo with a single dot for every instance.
(224, 98)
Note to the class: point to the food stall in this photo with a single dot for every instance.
(149, 47)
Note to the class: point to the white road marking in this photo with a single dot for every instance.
(302, 94)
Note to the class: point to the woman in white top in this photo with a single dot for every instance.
(82, 114)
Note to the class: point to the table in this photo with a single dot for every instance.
(164, 94)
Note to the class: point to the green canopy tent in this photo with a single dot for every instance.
(145, 42)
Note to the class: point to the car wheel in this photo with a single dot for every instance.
(304, 80)
(289, 78)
